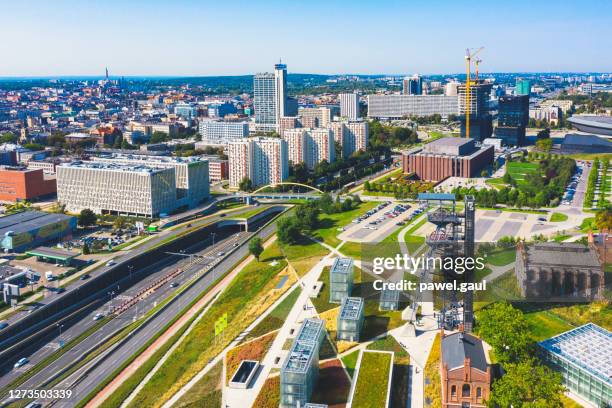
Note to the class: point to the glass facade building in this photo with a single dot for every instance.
(350, 319)
(340, 279)
(523, 87)
(300, 370)
(389, 299)
(582, 356)
(512, 119)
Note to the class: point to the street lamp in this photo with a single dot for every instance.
(60, 328)
(130, 268)
(213, 237)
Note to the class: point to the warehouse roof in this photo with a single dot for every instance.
(28, 221)
(570, 254)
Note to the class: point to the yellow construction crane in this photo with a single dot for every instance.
(468, 62)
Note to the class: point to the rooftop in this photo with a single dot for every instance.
(28, 220)
(50, 252)
(351, 308)
(457, 347)
(300, 356)
(114, 167)
(436, 197)
(310, 330)
(569, 254)
(342, 265)
(592, 120)
(586, 346)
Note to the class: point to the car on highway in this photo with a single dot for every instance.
(21, 362)
(60, 290)
(85, 276)
(110, 263)
(221, 215)
(174, 285)
(3, 324)
(221, 253)
(98, 316)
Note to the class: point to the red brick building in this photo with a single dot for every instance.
(448, 157)
(18, 184)
(465, 371)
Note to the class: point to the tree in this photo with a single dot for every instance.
(308, 216)
(86, 218)
(603, 219)
(246, 184)
(543, 134)
(119, 223)
(544, 144)
(8, 137)
(256, 247)
(527, 385)
(288, 230)
(506, 330)
(158, 137)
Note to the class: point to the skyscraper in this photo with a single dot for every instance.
(523, 87)
(481, 122)
(413, 85)
(512, 119)
(349, 105)
(270, 98)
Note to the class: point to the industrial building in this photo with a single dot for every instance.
(28, 229)
(465, 371)
(448, 157)
(20, 184)
(582, 356)
(512, 119)
(403, 106)
(261, 160)
(300, 370)
(191, 173)
(350, 319)
(549, 269)
(109, 188)
(340, 279)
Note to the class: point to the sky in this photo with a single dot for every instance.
(200, 38)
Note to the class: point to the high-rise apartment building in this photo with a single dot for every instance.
(349, 105)
(116, 189)
(314, 117)
(412, 85)
(512, 119)
(310, 146)
(296, 144)
(401, 106)
(263, 160)
(287, 122)
(270, 98)
(352, 136)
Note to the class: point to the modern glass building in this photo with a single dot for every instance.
(512, 119)
(350, 319)
(389, 299)
(582, 356)
(300, 371)
(340, 279)
(523, 87)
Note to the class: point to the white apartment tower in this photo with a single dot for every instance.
(349, 105)
(263, 160)
(352, 135)
(320, 147)
(296, 144)
(270, 98)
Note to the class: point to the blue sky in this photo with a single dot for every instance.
(204, 37)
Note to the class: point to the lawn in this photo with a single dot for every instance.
(321, 302)
(206, 393)
(252, 350)
(269, 395)
(544, 324)
(519, 170)
(304, 255)
(350, 361)
(276, 318)
(501, 256)
(250, 213)
(588, 225)
(558, 217)
(401, 361)
(251, 292)
(431, 374)
(331, 222)
(372, 380)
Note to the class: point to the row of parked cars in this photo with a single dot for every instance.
(371, 212)
(570, 190)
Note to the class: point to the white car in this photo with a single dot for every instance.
(110, 263)
(98, 316)
(21, 362)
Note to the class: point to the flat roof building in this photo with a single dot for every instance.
(263, 160)
(448, 157)
(350, 319)
(220, 133)
(576, 144)
(19, 184)
(53, 255)
(300, 370)
(21, 231)
(108, 188)
(340, 279)
(582, 356)
(402, 106)
(601, 125)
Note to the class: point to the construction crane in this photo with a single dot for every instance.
(468, 62)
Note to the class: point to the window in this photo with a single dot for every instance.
(465, 390)
(454, 391)
(478, 392)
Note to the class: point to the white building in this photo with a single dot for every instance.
(314, 117)
(551, 114)
(349, 105)
(352, 136)
(220, 133)
(116, 189)
(310, 146)
(400, 106)
(192, 174)
(270, 98)
(296, 144)
(263, 160)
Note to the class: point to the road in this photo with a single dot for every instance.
(82, 382)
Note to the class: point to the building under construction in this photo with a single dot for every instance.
(453, 237)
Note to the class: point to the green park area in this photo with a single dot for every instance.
(330, 225)
(401, 361)
(558, 217)
(372, 380)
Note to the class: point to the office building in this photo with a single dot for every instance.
(185, 110)
(270, 98)
(512, 119)
(554, 270)
(349, 106)
(8, 155)
(219, 133)
(116, 189)
(465, 371)
(350, 319)
(447, 157)
(412, 85)
(262, 160)
(481, 122)
(340, 279)
(191, 173)
(300, 370)
(29, 229)
(310, 146)
(314, 117)
(405, 106)
(21, 184)
(523, 87)
(582, 357)
(221, 110)
(551, 114)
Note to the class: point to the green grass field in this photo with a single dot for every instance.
(350, 361)
(372, 380)
(276, 318)
(501, 257)
(518, 170)
(558, 217)
(330, 223)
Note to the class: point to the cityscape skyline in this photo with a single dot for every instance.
(186, 39)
